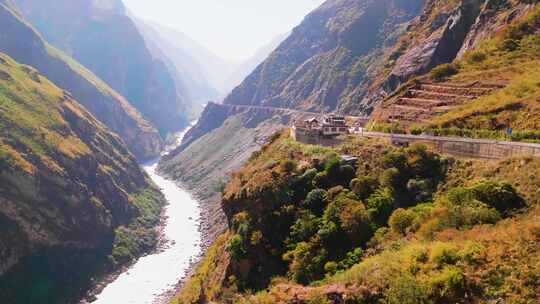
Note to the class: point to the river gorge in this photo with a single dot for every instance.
(154, 275)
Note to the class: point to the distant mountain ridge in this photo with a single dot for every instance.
(249, 65)
(188, 72)
(21, 41)
(101, 36)
(215, 69)
(321, 65)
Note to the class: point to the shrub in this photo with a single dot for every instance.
(321, 181)
(347, 173)
(352, 258)
(364, 186)
(334, 192)
(401, 220)
(306, 262)
(316, 201)
(477, 57)
(509, 45)
(333, 169)
(381, 204)
(304, 228)
(240, 222)
(391, 178)
(444, 71)
(256, 238)
(501, 196)
(236, 247)
(309, 175)
(288, 166)
(444, 254)
(331, 268)
(447, 285)
(404, 289)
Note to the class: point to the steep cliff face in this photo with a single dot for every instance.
(23, 43)
(487, 87)
(67, 184)
(444, 31)
(319, 66)
(104, 39)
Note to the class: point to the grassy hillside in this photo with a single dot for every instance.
(103, 38)
(22, 42)
(508, 56)
(72, 195)
(405, 226)
(511, 57)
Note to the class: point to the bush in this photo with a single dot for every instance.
(500, 196)
(304, 228)
(391, 178)
(401, 220)
(444, 254)
(240, 223)
(288, 166)
(321, 181)
(307, 262)
(381, 204)
(509, 45)
(477, 57)
(316, 201)
(404, 289)
(331, 268)
(364, 186)
(352, 258)
(236, 247)
(333, 169)
(448, 285)
(347, 173)
(444, 71)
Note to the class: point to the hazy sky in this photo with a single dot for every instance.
(233, 29)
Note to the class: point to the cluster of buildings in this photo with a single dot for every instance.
(325, 127)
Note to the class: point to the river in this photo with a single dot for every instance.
(152, 276)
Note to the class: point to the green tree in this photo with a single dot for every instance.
(316, 201)
(401, 220)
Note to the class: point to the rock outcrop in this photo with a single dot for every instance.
(26, 45)
(443, 32)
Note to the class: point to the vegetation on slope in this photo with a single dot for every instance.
(509, 57)
(23, 43)
(72, 195)
(106, 41)
(405, 226)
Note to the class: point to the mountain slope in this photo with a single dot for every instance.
(404, 225)
(248, 66)
(495, 67)
(323, 61)
(214, 68)
(104, 39)
(71, 194)
(23, 43)
(316, 68)
(188, 73)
